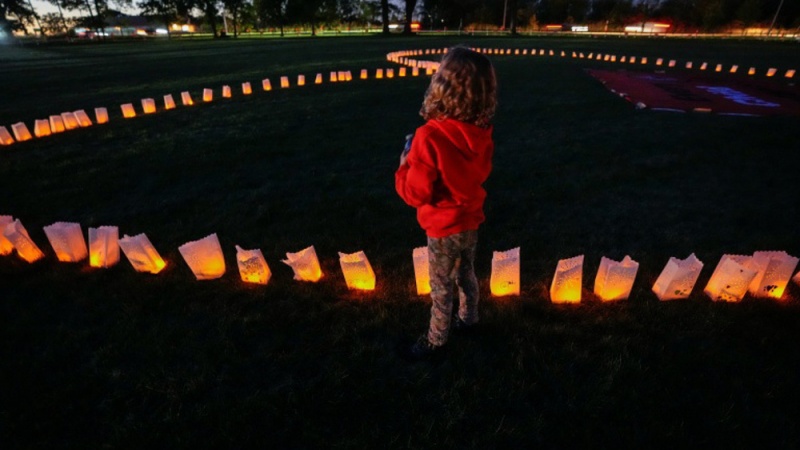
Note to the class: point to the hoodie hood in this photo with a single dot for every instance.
(469, 139)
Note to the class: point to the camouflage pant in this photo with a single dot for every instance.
(452, 272)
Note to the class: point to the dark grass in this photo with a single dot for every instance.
(118, 359)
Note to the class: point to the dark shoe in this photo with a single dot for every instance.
(422, 350)
(458, 326)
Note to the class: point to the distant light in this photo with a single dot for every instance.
(161, 31)
(393, 26)
(580, 28)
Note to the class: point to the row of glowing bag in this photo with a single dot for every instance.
(763, 274)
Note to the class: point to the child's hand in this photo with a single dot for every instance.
(406, 149)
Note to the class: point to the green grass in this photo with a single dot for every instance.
(117, 359)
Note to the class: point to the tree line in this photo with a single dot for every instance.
(512, 15)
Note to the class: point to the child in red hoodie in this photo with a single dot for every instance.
(442, 176)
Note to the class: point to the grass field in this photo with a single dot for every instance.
(118, 359)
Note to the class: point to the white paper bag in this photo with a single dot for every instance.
(567, 284)
(83, 118)
(204, 257)
(678, 278)
(66, 238)
(21, 132)
(730, 279)
(422, 273)
(5, 137)
(505, 273)
(253, 267)
(6, 247)
(141, 253)
(18, 236)
(774, 271)
(357, 271)
(304, 264)
(103, 246)
(614, 279)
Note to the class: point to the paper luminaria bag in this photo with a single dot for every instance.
(304, 264)
(41, 128)
(148, 105)
(18, 236)
(66, 238)
(358, 273)
(422, 270)
(83, 118)
(5, 137)
(103, 246)
(615, 279)
(57, 124)
(774, 271)
(141, 253)
(21, 132)
(505, 273)
(730, 279)
(204, 257)
(567, 284)
(70, 121)
(678, 278)
(253, 267)
(101, 115)
(6, 247)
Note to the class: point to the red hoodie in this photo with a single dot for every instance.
(443, 176)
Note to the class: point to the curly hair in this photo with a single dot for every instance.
(463, 88)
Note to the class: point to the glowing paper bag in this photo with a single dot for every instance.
(204, 257)
(678, 278)
(615, 279)
(774, 271)
(422, 270)
(730, 279)
(246, 88)
(253, 267)
(103, 246)
(57, 124)
(148, 105)
(41, 128)
(358, 273)
(226, 91)
(141, 253)
(21, 132)
(304, 264)
(567, 284)
(169, 102)
(101, 115)
(6, 247)
(208, 95)
(18, 236)
(70, 121)
(266, 85)
(301, 80)
(67, 241)
(505, 273)
(127, 111)
(284, 82)
(5, 137)
(83, 118)
(186, 99)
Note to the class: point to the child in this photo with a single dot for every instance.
(441, 176)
